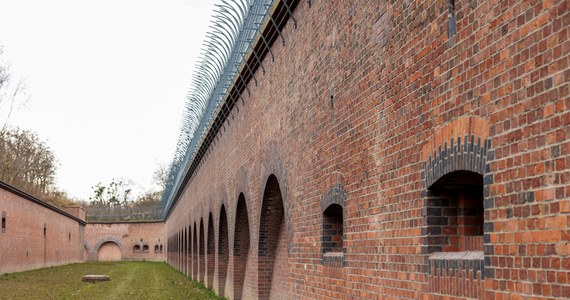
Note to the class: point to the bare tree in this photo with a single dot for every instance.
(12, 94)
(160, 176)
(26, 162)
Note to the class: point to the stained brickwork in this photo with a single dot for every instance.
(387, 98)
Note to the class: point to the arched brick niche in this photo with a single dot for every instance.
(223, 251)
(240, 249)
(454, 176)
(274, 167)
(109, 239)
(201, 254)
(109, 249)
(332, 209)
(210, 255)
(195, 253)
(271, 232)
(188, 251)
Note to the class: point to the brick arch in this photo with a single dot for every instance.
(462, 144)
(210, 252)
(273, 166)
(221, 239)
(199, 211)
(178, 245)
(184, 249)
(332, 210)
(189, 251)
(271, 230)
(109, 239)
(195, 253)
(334, 191)
(455, 176)
(223, 250)
(242, 243)
(202, 256)
(242, 188)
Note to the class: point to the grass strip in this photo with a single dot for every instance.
(129, 280)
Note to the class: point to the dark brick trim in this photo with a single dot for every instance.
(334, 195)
(462, 153)
(470, 153)
(109, 239)
(338, 195)
(450, 263)
(129, 222)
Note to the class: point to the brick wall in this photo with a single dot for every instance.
(109, 251)
(24, 245)
(385, 98)
(126, 241)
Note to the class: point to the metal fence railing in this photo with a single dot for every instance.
(236, 27)
(124, 214)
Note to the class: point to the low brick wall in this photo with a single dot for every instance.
(35, 234)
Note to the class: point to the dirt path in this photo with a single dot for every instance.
(118, 292)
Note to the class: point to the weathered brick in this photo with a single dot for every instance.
(376, 93)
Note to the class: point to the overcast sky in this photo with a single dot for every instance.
(107, 81)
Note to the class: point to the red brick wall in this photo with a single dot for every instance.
(22, 242)
(125, 236)
(376, 95)
(109, 251)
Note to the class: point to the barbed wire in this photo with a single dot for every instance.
(124, 214)
(233, 29)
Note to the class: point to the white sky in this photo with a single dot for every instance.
(107, 81)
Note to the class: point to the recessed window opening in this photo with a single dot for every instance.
(45, 231)
(455, 213)
(136, 248)
(145, 248)
(156, 248)
(452, 19)
(69, 236)
(3, 222)
(332, 239)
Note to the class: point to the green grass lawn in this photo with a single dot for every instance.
(129, 280)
